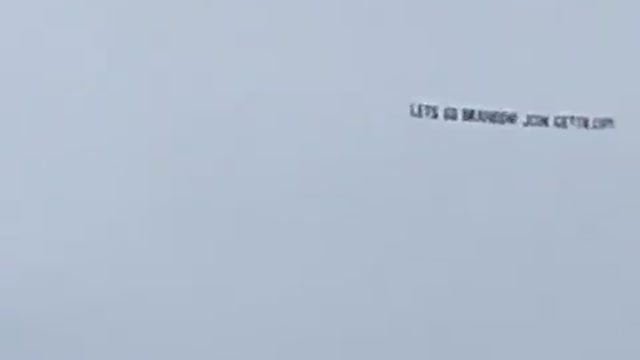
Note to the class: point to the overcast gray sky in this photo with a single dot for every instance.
(241, 180)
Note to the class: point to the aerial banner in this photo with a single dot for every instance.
(509, 118)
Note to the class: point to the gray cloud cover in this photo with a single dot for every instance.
(241, 180)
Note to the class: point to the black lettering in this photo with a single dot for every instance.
(511, 118)
(485, 116)
(498, 117)
(451, 113)
(536, 121)
(581, 122)
(603, 123)
(561, 121)
(416, 110)
(468, 115)
(424, 111)
(431, 111)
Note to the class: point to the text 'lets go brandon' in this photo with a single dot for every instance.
(509, 118)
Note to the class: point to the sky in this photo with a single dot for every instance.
(242, 180)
